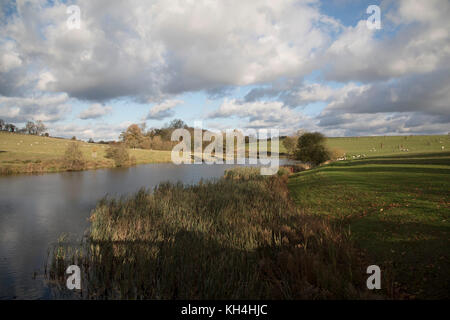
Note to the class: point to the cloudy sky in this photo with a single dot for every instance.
(288, 64)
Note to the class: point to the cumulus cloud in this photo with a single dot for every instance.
(146, 51)
(95, 111)
(46, 108)
(163, 110)
(420, 44)
(301, 94)
(260, 114)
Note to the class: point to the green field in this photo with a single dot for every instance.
(389, 145)
(28, 153)
(397, 208)
(383, 145)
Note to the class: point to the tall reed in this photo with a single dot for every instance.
(239, 237)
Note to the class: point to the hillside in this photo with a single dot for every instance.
(28, 153)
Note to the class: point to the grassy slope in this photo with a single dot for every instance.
(384, 145)
(398, 210)
(18, 151)
(389, 145)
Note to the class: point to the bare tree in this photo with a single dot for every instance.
(2, 124)
(40, 127)
(31, 127)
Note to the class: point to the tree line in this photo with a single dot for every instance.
(34, 128)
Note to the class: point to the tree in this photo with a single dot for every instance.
(10, 127)
(177, 124)
(40, 127)
(30, 128)
(133, 137)
(2, 124)
(289, 144)
(311, 148)
(73, 157)
(91, 140)
(119, 154)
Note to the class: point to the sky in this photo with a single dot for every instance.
(290, 65)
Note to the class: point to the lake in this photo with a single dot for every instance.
(35, 210)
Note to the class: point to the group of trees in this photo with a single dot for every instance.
(304, 146)
(34, 128)
(157, 139)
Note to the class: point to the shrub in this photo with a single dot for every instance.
(311, 148)
(73, 157)
(119, 154)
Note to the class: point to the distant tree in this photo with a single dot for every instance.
(74, 138)
(10, 127)
(311, 148)
(133, 137)
(91, 140)
(40, 127)
(2, 124)
(119, 154)
(146, 142)
(177, 124)
(30, 127)
(73, 157)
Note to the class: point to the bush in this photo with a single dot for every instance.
(119, 154)
(311, 148)
(73, 157)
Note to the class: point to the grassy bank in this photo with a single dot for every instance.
(398, 211)
(21, 153)
(236, 238)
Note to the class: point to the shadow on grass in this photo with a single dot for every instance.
(416, 253)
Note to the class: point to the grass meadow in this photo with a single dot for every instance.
(397, 209)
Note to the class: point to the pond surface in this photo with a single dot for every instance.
(35, 210)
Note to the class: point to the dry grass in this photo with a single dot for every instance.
(237, 238)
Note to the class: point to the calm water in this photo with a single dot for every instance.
(36, 209)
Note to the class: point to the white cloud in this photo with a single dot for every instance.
(153, 51)
(260, 114)
(163, 110)
(46, 108)
(168, 47)
(95, 111)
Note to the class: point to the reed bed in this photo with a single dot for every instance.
(239, 237)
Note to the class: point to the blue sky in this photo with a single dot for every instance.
(307, 64)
